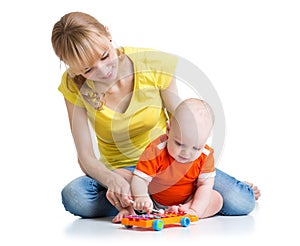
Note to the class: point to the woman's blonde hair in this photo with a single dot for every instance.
(79, 40)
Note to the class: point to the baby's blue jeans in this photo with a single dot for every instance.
(86, 198)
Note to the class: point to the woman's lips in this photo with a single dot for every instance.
(108, 75)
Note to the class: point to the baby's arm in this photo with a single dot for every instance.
(205, 202)
(139, 189)
(202, 196)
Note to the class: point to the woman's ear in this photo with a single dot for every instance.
(108, 33)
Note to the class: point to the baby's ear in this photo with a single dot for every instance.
(168, 126)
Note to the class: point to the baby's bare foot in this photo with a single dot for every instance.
(191, 212)
(174, 208)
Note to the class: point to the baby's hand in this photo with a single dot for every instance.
(143, 203)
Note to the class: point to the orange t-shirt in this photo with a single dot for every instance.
(171, 182)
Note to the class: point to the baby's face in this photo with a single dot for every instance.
(184, 145)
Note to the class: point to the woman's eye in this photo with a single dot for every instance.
(88, 70)
(104, 57)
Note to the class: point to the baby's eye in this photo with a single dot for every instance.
(197, 149)
(178, 143)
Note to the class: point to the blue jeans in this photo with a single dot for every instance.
(86, 198)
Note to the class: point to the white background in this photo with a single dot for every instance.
(248, 49)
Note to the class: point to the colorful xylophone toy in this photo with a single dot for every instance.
(157, 221)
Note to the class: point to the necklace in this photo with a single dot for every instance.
(101, 101)
(95, 99)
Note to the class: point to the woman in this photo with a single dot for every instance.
(122, 93)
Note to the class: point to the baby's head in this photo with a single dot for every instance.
(190, 127)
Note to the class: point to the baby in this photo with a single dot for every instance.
(176, 171)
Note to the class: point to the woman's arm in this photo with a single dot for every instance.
(170, 96)
(119, 188)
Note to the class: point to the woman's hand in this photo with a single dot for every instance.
(118, 191)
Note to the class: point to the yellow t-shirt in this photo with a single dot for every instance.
(122, 137)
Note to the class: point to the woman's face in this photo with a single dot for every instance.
(105, 70)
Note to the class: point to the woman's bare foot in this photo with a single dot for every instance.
(255, 189)
(122, 213)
